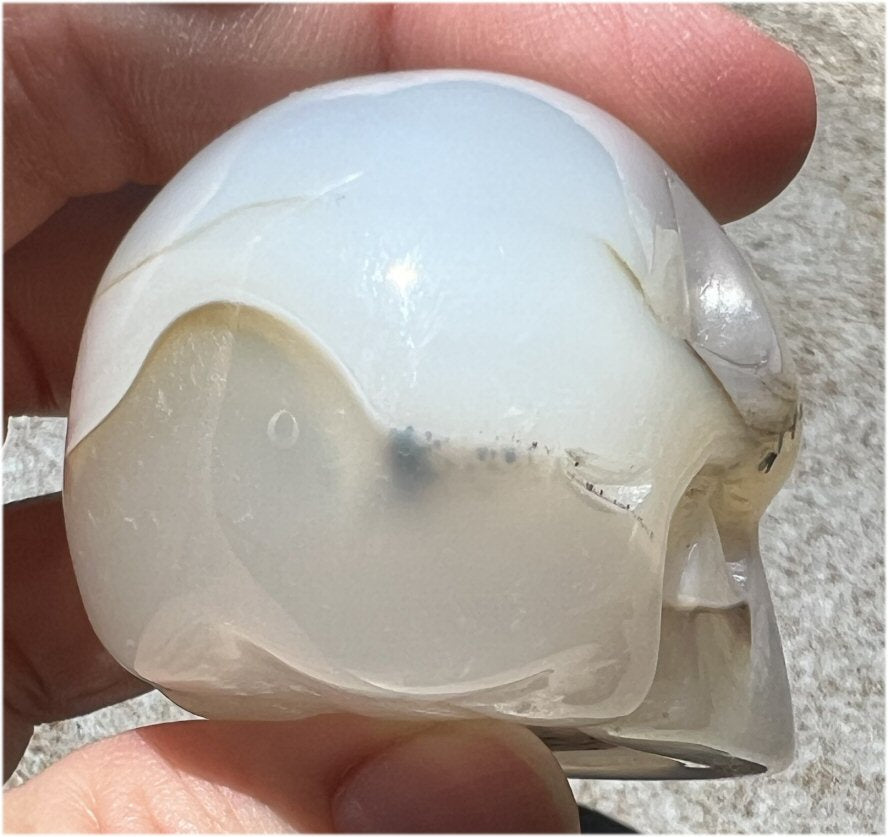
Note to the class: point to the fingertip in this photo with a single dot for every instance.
(475, 777)
(729, 108)
(761, 106)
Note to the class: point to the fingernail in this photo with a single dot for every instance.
(479, 777)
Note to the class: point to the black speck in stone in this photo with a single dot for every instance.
(767, 463)
(409, 458)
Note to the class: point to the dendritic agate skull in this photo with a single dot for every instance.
(438, 394)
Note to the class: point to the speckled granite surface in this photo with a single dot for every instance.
(819, 250)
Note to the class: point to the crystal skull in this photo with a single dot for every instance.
(439, 394)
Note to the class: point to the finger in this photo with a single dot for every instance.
(729, 108)
(331, 773)
(49, 281)
(54, 666)
(100, 94)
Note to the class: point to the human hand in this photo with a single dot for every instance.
(101, 96)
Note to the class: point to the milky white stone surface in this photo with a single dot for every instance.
(435, 393)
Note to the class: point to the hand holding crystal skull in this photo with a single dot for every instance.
(438, 394)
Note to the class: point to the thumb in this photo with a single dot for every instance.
(337, 773)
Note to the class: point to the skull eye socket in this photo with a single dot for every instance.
(697, 572)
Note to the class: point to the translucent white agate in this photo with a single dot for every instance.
(438, 393)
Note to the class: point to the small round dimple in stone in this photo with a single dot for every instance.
(283, 430)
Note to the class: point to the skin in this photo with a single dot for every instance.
(103, 104)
